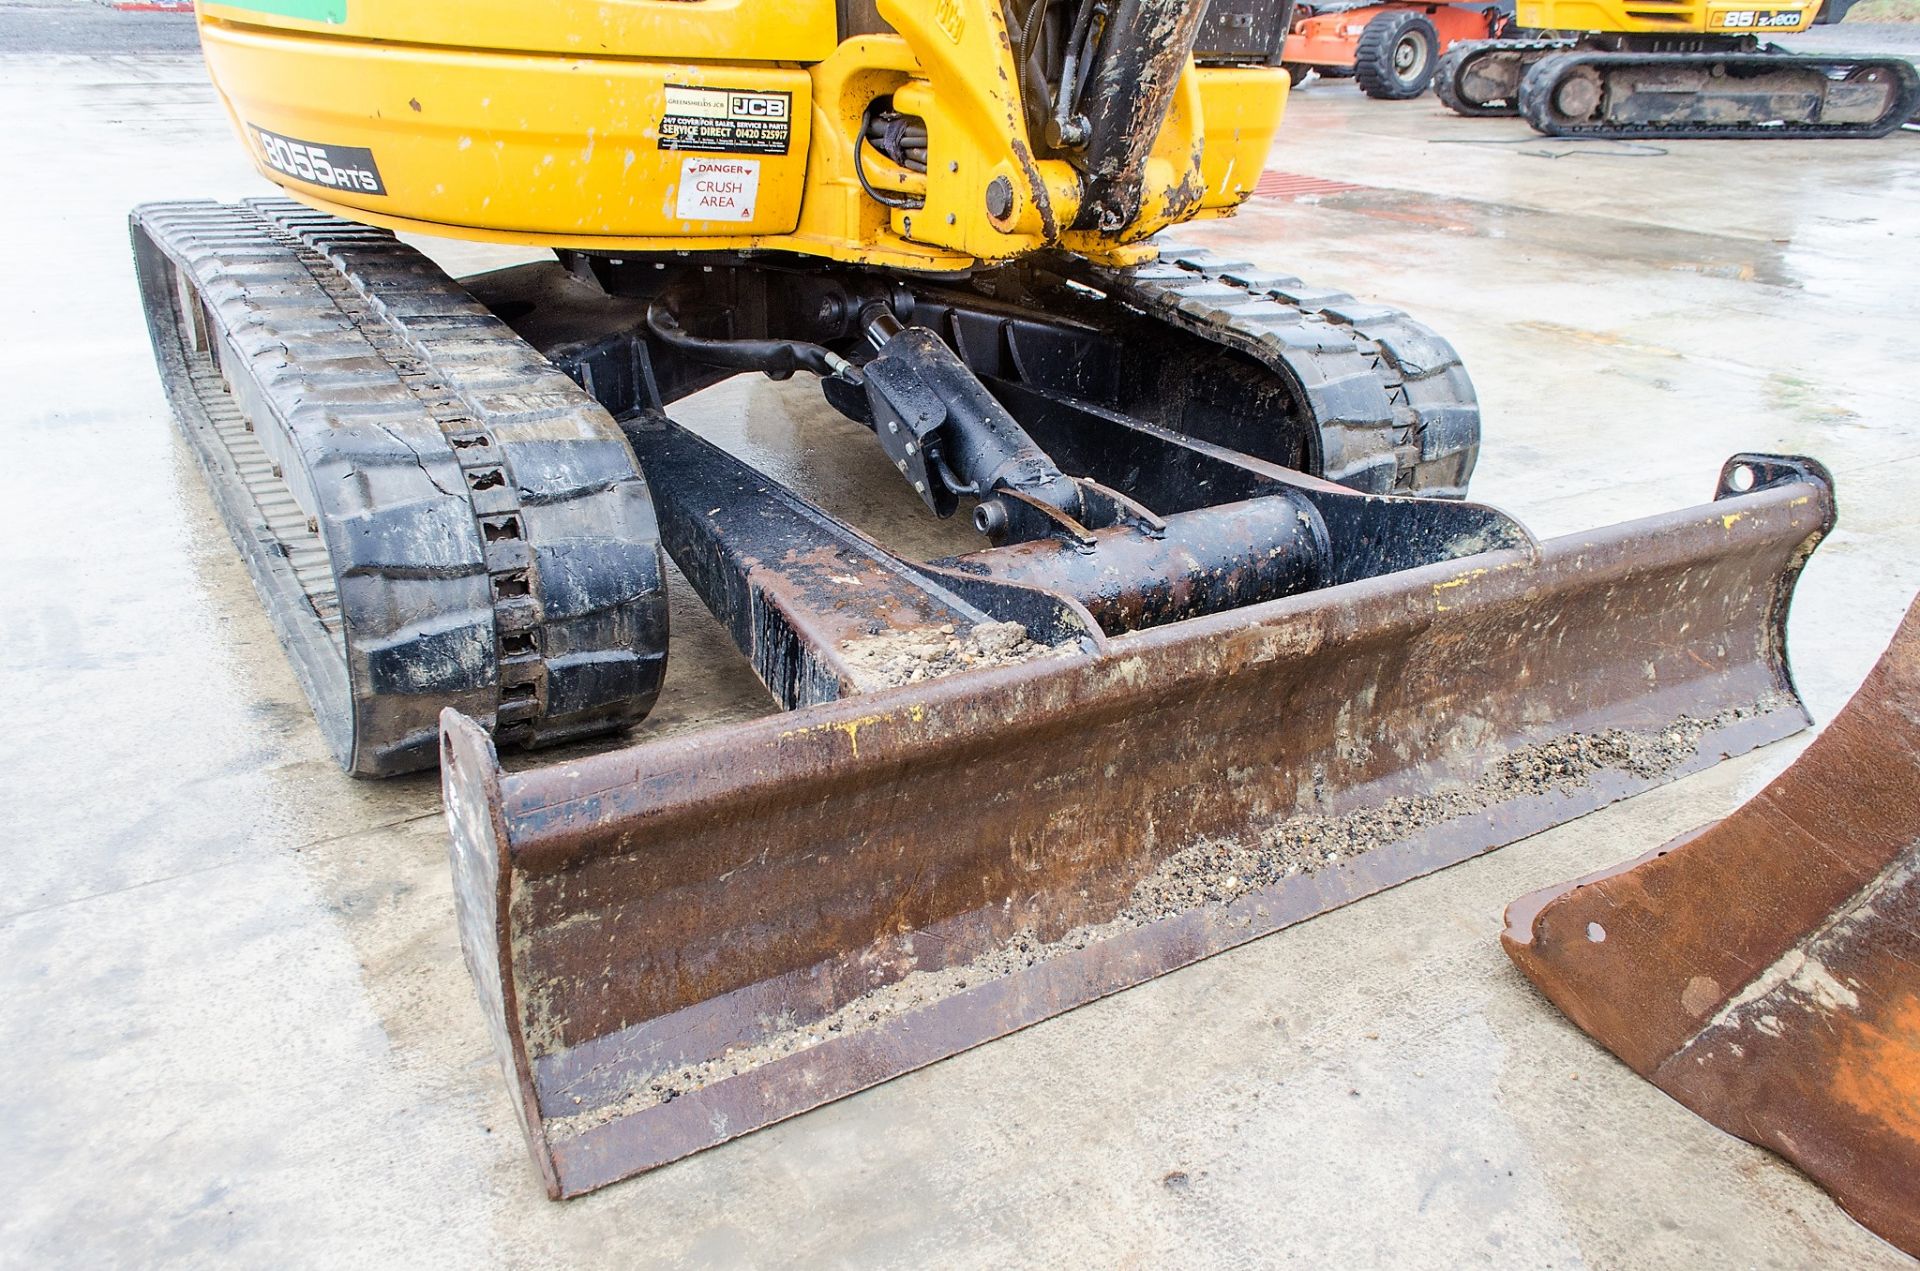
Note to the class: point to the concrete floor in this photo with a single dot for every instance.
(235, 1023)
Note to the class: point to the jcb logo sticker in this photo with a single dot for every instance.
(756, 106)
(349, 168)
(950, 19)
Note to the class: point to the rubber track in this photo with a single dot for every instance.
(1392, 402)
(434, 515)
(1541, 80)
(1452, 64)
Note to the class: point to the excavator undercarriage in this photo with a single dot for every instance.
(1701, 86)
(443, 514)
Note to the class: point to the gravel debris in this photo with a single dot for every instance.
(1217, 871)
(892, 658)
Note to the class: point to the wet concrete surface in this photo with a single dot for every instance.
(91, 27)
(237, 1027)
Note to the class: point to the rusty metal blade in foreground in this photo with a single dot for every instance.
(688, 939)
(1765, 970)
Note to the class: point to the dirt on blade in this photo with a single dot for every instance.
(893, 658)
(1212, 872)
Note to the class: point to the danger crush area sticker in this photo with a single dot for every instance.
(718, 189)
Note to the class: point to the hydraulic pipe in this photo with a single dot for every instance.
(1209, 560)
(982, 449)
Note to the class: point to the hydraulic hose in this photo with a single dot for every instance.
(778, 358)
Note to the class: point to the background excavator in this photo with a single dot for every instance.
(1230, 646)
(1675, 69)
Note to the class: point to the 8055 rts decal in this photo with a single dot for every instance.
(348, 168)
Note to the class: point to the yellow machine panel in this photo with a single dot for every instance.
(1242, 107)
(1666, 16)
(515, 143)
(716, 124)
(712, 30)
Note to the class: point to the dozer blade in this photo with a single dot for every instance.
(1765, 970)
(682, 941)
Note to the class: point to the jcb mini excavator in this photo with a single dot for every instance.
(1233, 647)
(1675, 69)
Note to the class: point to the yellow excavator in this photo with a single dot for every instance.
(1675, 69)
(1230, 646)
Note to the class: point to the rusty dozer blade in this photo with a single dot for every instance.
(685, 940)
(1765, 970)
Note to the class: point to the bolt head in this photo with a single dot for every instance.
(999, 198)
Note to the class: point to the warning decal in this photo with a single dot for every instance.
(726, 120)
(717, 189)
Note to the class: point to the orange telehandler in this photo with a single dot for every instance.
(1390, 49)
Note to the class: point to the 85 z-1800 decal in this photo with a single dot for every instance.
(349, 168)
(1758, 19)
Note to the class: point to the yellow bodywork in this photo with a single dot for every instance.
(541, 122)
(1667, 17)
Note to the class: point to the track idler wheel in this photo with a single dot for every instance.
(1577, 97)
